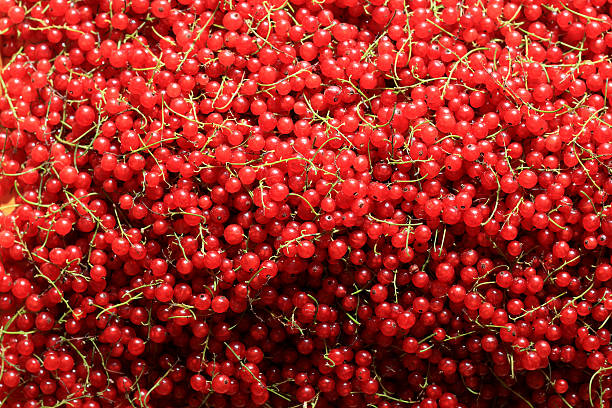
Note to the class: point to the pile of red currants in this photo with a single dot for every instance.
(306, 203)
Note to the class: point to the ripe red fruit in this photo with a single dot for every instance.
(85, 115)
(243, 204)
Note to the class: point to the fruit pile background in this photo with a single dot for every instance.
(336, 203)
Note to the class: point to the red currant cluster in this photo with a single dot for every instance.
(304, 203)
